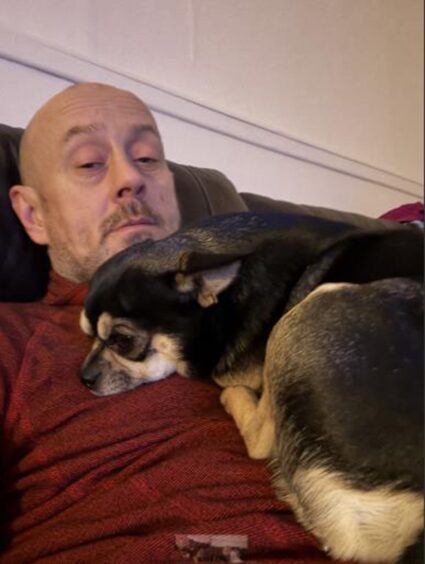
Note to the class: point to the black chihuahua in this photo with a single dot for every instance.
(315, 331)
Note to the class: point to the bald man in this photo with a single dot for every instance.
(95, 179)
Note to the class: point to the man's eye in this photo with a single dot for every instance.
(91, 165)
(146, 160)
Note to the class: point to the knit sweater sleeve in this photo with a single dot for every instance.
(15, 333)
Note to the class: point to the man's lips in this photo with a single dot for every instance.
(135, 223)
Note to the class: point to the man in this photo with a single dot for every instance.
(95, 177)
(113, 479)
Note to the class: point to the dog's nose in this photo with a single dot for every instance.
(89, 375)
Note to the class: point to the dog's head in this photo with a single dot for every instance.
(146, 304)
(143, 324)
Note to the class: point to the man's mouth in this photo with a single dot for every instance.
(134, 224)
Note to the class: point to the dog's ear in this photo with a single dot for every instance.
(206, 285)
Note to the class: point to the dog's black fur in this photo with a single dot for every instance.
(341, 367)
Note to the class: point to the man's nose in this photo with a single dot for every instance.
(129, 181)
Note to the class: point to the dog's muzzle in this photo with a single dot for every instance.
(89, 376)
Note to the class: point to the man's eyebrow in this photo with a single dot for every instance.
(142, 130)
(77, 130)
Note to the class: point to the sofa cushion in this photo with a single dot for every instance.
(23, 265)
(258, 203)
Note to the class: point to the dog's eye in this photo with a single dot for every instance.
(122, 343)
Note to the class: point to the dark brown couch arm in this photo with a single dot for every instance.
(258, 203)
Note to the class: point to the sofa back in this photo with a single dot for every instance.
(201, 192)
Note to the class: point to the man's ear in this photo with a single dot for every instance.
(27, 206)
(208, 284)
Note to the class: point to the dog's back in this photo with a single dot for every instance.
(345, 369)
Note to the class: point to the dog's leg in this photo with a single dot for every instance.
(252, 417)
(373, 525)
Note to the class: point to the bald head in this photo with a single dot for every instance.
(46, 128)
(94, 178)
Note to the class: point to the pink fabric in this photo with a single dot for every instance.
(114, 479)
(406, 213)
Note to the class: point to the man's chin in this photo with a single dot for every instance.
(133, 238)
(122, 238)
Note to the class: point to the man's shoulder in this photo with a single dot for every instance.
(19, 320)
(27, 329)
(26, 317)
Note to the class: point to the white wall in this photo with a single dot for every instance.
(344, 77)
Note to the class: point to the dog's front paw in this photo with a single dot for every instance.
(256, 429)
(235, 399)
(228, 397)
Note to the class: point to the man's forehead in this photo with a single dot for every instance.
(87, 111)
(79, 106)
(95, 96)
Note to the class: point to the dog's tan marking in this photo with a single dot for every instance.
(253, 418)
(328, 287)
(250, 376)
(169, 347)
(215, 281)
(162, 359)
(104, 325)
(166, 344)
(209, 283)
(85, 324)
(365, 526)
(184, 282)
(159, 363)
